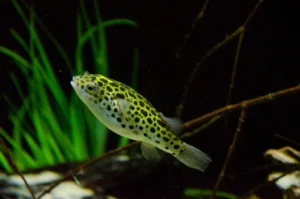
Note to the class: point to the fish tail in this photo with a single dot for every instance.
(193, 157)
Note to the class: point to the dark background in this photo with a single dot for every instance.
(269, 62)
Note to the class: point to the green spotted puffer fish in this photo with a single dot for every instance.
(127, 113)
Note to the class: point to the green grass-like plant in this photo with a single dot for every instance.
(56, 127)
(194, 193)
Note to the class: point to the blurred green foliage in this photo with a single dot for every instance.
(53, 126)
(192, 193)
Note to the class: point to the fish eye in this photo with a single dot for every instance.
(90, 88)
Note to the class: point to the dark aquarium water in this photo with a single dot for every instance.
(221, 76)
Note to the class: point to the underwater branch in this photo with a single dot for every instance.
(219, 112)
(234, 107)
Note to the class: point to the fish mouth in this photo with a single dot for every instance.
(73, 82)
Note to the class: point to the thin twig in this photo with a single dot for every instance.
(232, 80)
(230, 152)
(201, 128)
(76, 170)
(237, 32)
(236, 60)
(14, 165)
(112, 152)
(287, 139)
(188, 35)
(195, 122)
(238, 106)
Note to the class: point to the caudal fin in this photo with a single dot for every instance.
(194, 158)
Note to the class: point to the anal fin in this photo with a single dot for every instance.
(150, 152)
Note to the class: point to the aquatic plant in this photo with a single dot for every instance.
(192, 127)
(52, 124)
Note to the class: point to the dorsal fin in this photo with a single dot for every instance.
(175, 124)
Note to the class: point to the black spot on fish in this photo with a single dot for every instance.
(166, 139)
(148, 108)
(120, 95)
(115, 110)
(155, 124)
(141, 104)
(158, 142)
(149, 120)
(147, 126)
(108, 108)
(119, 119)
(158, 135)
(116, 89)
(139, 96)
(101, 92)
(152, 130)
(82, 87)
(93, 78)
(161, 123)
(172, 143)
(167, 148)
(176, 146)
(144, 112)
(137, 119)
(131, 95)
(138, 108)
(164, 132)
(131, 107)
(123, 126)
(180, 151)
(145, 134)
(153, 112)
(109, 89)
(113, 115)
(104, 80)
(175, 139)
(131, 127)
(136, 113)
(122, 88)
(113, 84)
(106, 98)
(100, 100)
(100, 84)
(141, 128)
(124, 85)
(143, 121)
(158, 129)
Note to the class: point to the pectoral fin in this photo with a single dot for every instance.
(121, 105)
(150, 152)
(175, 124)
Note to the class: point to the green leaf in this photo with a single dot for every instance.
(207, 192)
